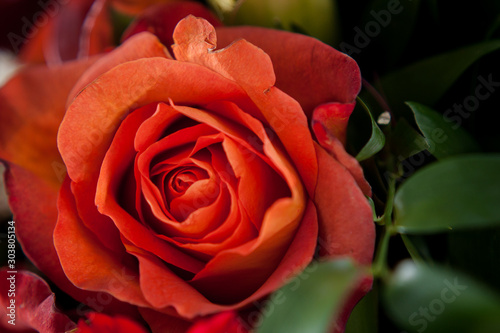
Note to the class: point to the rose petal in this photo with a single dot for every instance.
(34, 205)
(346, 225)
(310, 71)
(161, 322)
(334, 117)
(101, 323)
(227, 322)
(95, 267)
(236, 230)
(165, 289)
(104, 103)
(257, 258)
(102, 110)
(32, 104)
(34, 304)
(280, 221)
(143, 45)
(153, 128)
(252, 69)
(112, 171)
(335, 148)
(215, 216)
(255, 176)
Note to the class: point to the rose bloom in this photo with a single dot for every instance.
(197, 182)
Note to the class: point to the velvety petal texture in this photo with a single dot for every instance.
(310, 71)
(223, 322)
(28, 304)
(101, 323)
(31, 114)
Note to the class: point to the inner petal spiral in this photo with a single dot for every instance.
(183, 178)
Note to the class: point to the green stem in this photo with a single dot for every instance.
(380, 267)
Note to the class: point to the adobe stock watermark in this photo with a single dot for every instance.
(373, 28)
(455, 115)
(462, 111)
(30, 27)
(420, 319)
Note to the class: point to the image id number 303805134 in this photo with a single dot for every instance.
(11, 273)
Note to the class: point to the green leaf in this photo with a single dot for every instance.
(405, 141)
(444, 140)
(456, 193)
(434, 299)
(427, 80)
(364, 316)
(376, 141)
(311, 300)
(419, 247)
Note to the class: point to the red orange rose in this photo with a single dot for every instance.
(194, 184)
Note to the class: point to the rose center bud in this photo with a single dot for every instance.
(184, 190)
(183, 179)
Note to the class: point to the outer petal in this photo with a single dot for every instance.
(100, 323)
(162, 19)
(34, 205)
(32, 106)
(335, 148)
(92, 267)
(345, 217)
(252, 69)
(161, 322)
(227, 322)
(310, 71)
(144, 45)
(334, 117)
(34, 305)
